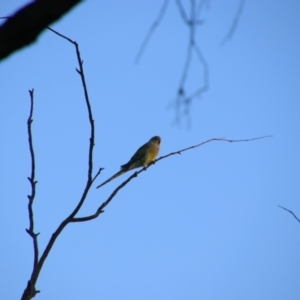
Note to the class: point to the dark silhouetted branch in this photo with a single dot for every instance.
(24, 27)
(30, 290)
(33, 183)
(87, 101)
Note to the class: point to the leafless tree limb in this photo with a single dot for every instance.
(30, 291)
(290, 212)
(33, 183)
(29, 22)
(135, 174)
(151, 30)
(234, 24)
(86, 96)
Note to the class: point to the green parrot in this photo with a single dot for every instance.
(142, 157)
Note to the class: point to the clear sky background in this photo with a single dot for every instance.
(202, 225)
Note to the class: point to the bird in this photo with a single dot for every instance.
(142, 157)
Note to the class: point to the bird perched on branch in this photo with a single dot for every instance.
(142, 157)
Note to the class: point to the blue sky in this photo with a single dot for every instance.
(202, 225)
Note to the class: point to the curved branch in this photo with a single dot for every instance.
(290, 213)
(234, 24)
(151, 30)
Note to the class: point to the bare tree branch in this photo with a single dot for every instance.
(86, 96)
(135, 174)
(290, 212)
(29, 22)
(30, 291)
(151, 30)
(234, 24)
(33, 183)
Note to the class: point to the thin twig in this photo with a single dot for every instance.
(33, 183)
(290, 212)
(97, 174)
(211, 140)
(151, 30)
(86, 96)
(30, 289)
(135, 174)
(234, 24)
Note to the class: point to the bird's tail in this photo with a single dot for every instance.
(112, 177)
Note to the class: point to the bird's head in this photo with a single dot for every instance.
(156, 139)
